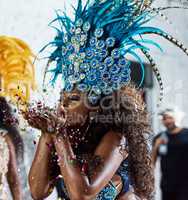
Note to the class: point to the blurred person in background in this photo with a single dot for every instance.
(171, 146)
(11, 153)
(16, 79)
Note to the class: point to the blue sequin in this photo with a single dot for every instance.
(96, 90)
(86, 26)
(100, 44)
(70, 47)
(93, 42)
(79, 22)
(68, 86)
(115, 53)
(84, 67)
(104, 53)
(122, 62)
(108, 193)
(107, 91)
(109, 61)
(89, 53)
(99, 32)
(82, 87)
(93, 98)
(102, 67)
(64, 51)
(110, 42)
(94, 63)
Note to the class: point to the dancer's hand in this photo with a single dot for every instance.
(43, 119)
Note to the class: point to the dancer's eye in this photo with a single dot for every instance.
(74, 97)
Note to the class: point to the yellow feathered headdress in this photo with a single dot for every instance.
(17, 75)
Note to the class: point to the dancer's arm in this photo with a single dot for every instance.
(82, 187)
(12, 175)
(40, 175)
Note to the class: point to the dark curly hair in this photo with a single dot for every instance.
(125, 112)
(136, 128)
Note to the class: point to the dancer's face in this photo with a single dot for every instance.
(73, 108)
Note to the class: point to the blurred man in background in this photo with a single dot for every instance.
(171, 146)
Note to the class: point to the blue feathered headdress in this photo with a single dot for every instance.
(91, 50)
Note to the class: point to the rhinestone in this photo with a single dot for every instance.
(98, 32)
(122, 62)
(78, 38)
(96, 90)
(65, 38)
(125, 79)
(78, 31)
(125, 71)
(75, 78)
(93, 42)
(116, 86)
(68, 87)
(109, 61)
(82, 55)
(104, 53)
(84, 66)
(93, 99)
(76, 65)
(72, 57)
(79, 22)
(82, 87)
(115, 69)
(89, 53)
(82, 76)
(77, 47)
(86, 26)
(102, 67)
(94, 63)
(110, 42)
(83, 38)
(92, 77)
(116, 78)
(98, 57)
(73, 39)
(107, 91)
(115, 53)
(102, 85)
(64, 51)
(100, 44)
(82, 43)
(70, 47)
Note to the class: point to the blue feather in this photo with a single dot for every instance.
(150, 42)
(141, 64)
(134, 47)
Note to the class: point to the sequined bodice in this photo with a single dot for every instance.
(109, 192)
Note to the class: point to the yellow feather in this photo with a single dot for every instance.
(17, 73)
